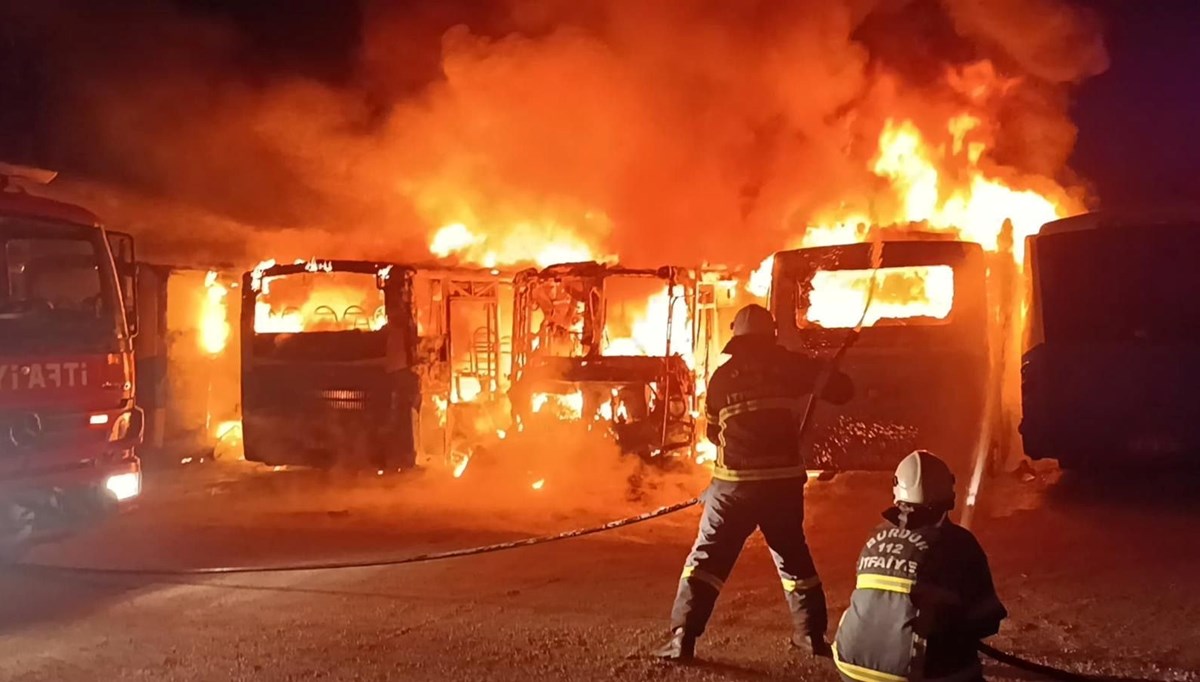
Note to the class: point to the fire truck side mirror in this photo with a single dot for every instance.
(121, 245)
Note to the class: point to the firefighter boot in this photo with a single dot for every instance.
(813, 645)
(681, 647)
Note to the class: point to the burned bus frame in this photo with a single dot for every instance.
(463, 380)
(916, 385)
(396, 392)
(309, 398)
(658, 392)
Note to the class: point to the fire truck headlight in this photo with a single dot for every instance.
(124, 486)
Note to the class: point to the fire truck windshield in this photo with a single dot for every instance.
(58, 288)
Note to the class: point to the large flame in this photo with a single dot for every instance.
(664, 314)
(935, 188)
(214, 316)
(944, 189)
(520, 244)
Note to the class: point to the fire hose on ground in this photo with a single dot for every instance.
(375, 563)
(990, 652)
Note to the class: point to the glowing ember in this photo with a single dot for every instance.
(256, 275)
(228, 429)
(461, 466)
(537, 485)
(562, 405)
(214, 316)
(838, 297)
(440, 404)
(607, 411)
(466, 389)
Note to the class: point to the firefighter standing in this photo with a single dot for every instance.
(755, 409)
(924, 595)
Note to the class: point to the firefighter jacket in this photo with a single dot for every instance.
(923, 599)
(755, 408)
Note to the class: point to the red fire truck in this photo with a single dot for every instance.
(68, 422)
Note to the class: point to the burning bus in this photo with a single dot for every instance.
(68, 421)
(614, 346)
(921, 364)
(1111, 359)
(361, 364)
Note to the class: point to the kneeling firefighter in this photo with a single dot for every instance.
(755, 410)
(924, 596)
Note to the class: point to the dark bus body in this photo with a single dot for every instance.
(920, 381)
(1112, 352)
(345, 396)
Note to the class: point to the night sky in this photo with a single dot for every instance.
(1138, 138)
(1139, 123)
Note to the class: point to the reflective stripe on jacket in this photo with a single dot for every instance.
(923, 599)
(755, 407)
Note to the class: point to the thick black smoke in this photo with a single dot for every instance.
(682, 131)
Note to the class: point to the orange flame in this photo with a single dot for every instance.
(522, 243)
(759, 283)
(648, 326)
(969, 203)
(214, 316)
(563, 405)
(838, 297)
(440, 405)
(335, 302)
(946, 190)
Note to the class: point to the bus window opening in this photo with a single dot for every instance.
(319, 302)
(913, 295)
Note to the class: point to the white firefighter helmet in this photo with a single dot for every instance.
(753, 320)
(925, 480)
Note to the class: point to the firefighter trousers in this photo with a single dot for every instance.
(732, 511)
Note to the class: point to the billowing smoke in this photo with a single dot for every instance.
(687, 131)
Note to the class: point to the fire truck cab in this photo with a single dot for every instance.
(68, 422)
